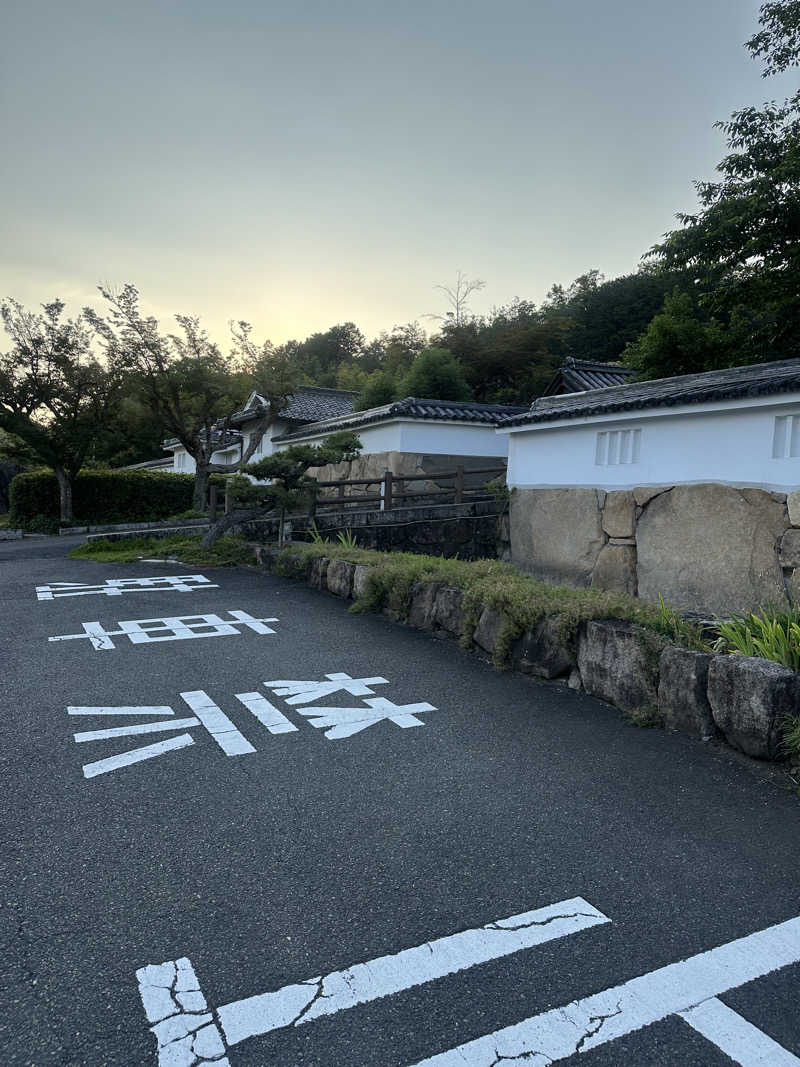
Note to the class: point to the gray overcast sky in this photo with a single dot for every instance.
(304, 163)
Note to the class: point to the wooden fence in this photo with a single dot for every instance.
(392, 492)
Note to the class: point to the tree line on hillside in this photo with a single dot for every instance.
(722, 289)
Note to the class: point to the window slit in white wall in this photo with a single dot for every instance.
(786, 437)
(617, 447)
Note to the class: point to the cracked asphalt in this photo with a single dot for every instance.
(311, 855)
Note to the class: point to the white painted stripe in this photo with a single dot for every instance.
(254, 624)
(304, 1001)
(585, 1024)
(99, 638)
(154, 709)
(218, 724)
(744, 1043)
(266, 713)
(136, 755)
(137, 728)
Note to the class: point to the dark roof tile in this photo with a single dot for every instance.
(579, 375)
(763, 379)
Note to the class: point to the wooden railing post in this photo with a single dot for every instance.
(227, 495)
(340, 494)
(459, 487)
(387, 491)
(212, 504)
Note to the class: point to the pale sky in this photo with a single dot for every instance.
(299, 163)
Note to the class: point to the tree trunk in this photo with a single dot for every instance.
(64, 493)
(200, 492)
(229, 519)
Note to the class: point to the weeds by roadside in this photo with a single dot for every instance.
(227, 552)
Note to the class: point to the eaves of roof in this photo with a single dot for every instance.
(763, 379)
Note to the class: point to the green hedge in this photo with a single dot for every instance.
(100, 497)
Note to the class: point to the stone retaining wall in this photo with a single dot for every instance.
(738, 699)
(704, 548)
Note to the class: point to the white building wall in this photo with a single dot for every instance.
(418, 437)
(756, 443)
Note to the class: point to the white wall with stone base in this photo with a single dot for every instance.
(708, 548)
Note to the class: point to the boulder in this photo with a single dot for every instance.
(318, 575)
(683, 692)
(422, 605)
(556, 534)
(790, 549)
(615, 570)
(448, 609)
(491, 625)
(360, 576)
(340, 577)
(750, 699)
(543, 650)
(618, 516)
(618, 662)
(643, 494)
(710, 548)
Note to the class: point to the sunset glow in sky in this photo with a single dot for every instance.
(304, 163)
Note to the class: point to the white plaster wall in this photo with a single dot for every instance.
(426, 438)
(266, 447)
(717, 443)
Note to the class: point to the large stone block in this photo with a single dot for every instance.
(750, 700)
(683, 692)
(543, 650)
(790, 549)
(491, 625)
(448, 609)
(340, 577)
(618, 514)
(556, 534)
(421, 610)
(710, 548)
(318, 574)
(360, 576)
(793, 504)
(618, 662)
(643, 494)
(615, 570)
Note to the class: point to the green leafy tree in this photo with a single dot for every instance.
(187, 383)
(289, 487)
(743, 245)
(55, 395)
(436, 374)
(681, 339)
(381, 387)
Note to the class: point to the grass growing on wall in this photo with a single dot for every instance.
(227, 552)
(493, 584)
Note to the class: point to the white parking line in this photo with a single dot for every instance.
(305, 1001)
(744, 1043)
(266, 713)
(585, 1024)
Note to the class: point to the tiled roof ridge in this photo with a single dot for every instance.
(757, 379)
(596, 364)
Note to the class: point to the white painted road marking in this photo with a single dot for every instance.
(184, 1028)
(739, 1039)
(170, 583)
(136, 755)
(218, 724)
(136, 728)
(169, 628)
(344, 722)
(106, 709)
(266, 713)
(672, 990)
(300, 1003)
(337, 722)
(297, 692)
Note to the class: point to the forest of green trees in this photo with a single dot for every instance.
(721, 289)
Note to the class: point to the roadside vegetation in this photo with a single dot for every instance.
(227, 552)
(489, 583)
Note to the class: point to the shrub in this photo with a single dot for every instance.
(100, 496)
(227, 551)
(770, 634)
